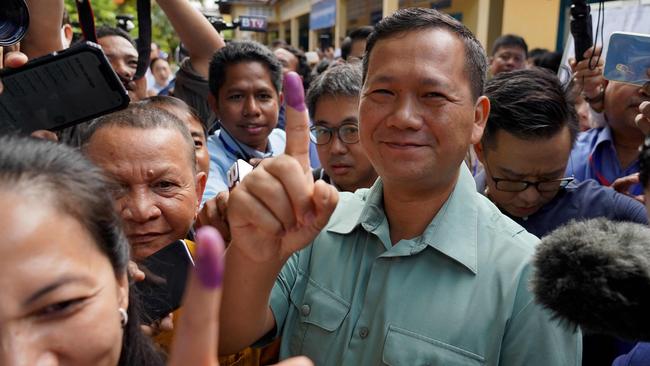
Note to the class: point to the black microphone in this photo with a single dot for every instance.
(596, 274)
(581, 27)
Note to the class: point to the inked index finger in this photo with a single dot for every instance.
(296, 120)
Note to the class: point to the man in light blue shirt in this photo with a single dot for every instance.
(419, 269)
(245, 93)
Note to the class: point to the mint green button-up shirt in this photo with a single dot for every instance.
(456, 295)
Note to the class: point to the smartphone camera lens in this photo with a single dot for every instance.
(14, 20)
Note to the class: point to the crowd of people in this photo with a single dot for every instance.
(395, 198)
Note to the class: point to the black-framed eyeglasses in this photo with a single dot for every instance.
(347, 133)
(544, 186)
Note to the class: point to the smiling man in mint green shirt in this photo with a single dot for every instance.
(418, 270)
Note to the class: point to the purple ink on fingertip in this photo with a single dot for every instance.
(209, 261)
(294, 93)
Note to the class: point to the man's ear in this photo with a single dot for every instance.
(67, 33)
(481, 113)
(214, 105)
(201, 180)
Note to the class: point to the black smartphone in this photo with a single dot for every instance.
(60, 90)
(166, 271)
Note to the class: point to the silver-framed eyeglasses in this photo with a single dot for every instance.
(347, 133)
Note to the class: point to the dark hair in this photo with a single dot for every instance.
(169, 101)
(529, 104)
(66, 18)
(239, 52)
(536, 52)
(153, 62)
(361, 33)
(65, 178)
(415, 19)
(303, 67)
(510, 40)
(142, 116)
(278, 43)
(549, 60)
(106, 31)
(343, 79)
(346, 48)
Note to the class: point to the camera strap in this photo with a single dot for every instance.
(86, 20)
(143, 43)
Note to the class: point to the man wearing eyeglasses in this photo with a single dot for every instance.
(525, 149)
(333, 103)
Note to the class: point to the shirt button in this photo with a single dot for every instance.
(305, 310)
(363, 332)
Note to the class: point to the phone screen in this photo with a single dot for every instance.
(161, 292)
(59, 90)
(628, 58)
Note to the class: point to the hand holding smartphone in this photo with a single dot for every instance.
(59, 90)
(166, 271)
(628, 58)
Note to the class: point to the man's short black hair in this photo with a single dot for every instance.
(339, 80)
(240, 52)
(417, 19)
(106, 31)
(510, 40)
(529, 104)
(346, 48)
(361, 33)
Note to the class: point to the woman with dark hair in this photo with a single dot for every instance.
(63, 262)
(63, 270)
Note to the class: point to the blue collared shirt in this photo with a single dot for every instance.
(225, 150)
(594, 157)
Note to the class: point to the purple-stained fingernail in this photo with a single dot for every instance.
(294, 93)
(209, 261)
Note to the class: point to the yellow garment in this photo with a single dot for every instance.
(246, 357)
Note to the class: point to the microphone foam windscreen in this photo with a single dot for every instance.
(596, 274)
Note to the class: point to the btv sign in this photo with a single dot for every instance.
(253, 24)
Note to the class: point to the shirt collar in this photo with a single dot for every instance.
(238, 146)
(604, 136)
(453, 231)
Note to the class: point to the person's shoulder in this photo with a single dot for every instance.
(497, 232)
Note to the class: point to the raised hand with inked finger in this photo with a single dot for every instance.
(274, 212)
(198, 330)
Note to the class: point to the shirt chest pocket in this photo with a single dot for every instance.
(406, 348)
(321, 314)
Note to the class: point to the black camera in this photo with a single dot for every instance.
(14, 20)
(581, 27)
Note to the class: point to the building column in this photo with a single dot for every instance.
(389, 7)
(483, 26)
(340, 28)
(282, 31)
(295, 32)
(313, 40)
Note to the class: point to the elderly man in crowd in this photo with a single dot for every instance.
(420, 268)
(149, 154)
